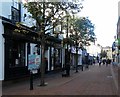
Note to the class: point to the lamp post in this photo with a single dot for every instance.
(76, 57)
(67, 54)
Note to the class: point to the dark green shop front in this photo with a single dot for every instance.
(17, 48)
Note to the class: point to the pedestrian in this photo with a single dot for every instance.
(100, 61)
(104, 61)
(93, 61)
(67, 69)
(113, 62)
(107, 62)
(67, 66)
(97, 59)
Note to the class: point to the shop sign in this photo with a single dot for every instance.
(33, 62)
(118, 41)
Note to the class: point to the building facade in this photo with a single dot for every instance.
(16, 47)
(118, 37)
(108, 51)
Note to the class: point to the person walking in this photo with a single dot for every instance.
(67, 66)
(100, 61)
(104, 61)
(108, 62)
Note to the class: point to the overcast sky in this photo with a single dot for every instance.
(104, 14)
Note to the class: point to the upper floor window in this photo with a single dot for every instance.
(15, 14)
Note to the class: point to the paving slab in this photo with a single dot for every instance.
(93, 81)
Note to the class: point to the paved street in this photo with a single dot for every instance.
(93, 81)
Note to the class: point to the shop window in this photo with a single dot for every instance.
(17, 54)
(57, 56)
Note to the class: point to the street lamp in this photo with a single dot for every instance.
(76, 44)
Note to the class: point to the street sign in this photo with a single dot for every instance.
(33, 62)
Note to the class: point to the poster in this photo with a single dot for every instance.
(33, 62)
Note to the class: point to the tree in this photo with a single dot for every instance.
(85, 30)
(47, 16)
(70, 7)
(82, 33)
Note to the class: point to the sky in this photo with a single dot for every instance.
(104, 14)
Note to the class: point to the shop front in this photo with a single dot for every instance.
(55, 54)
(16, 50)
(79, 55)
(18, 46)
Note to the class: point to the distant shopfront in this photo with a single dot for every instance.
(73, 51)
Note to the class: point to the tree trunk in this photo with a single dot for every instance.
(42, 67)
(43, 49)
(76, 59)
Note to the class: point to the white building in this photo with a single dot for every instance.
(6, 9)
(93, 49)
